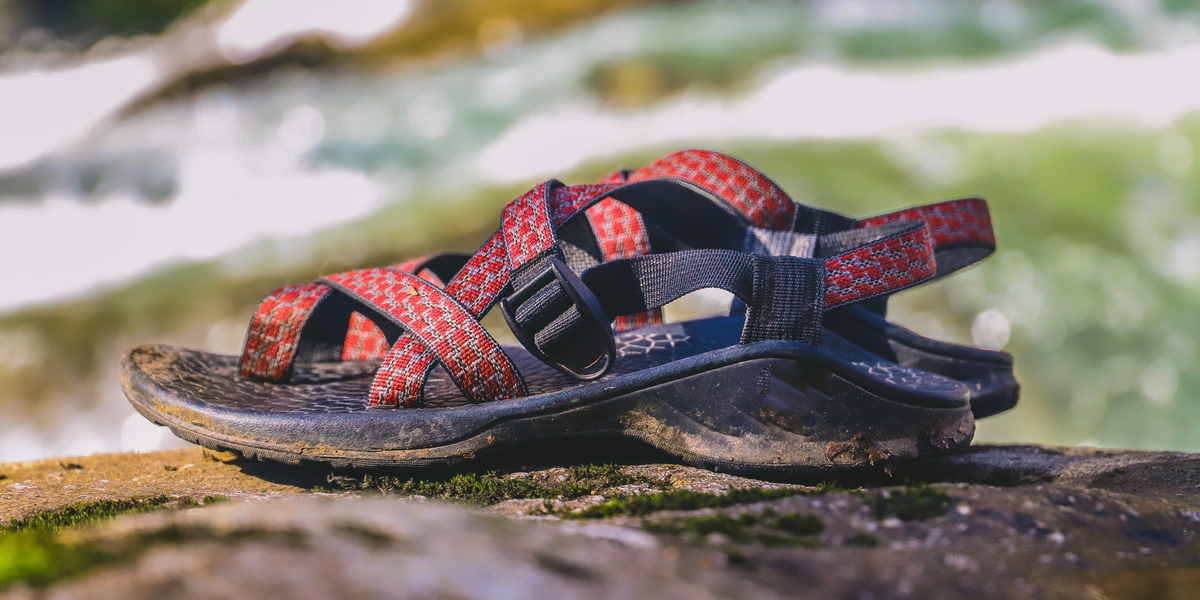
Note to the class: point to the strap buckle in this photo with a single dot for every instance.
(591, 350)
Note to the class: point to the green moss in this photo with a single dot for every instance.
(912, 503)
(688, 500)
(91, 512)
(491, 487)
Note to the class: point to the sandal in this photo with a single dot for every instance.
(962, 235)
(767, 390)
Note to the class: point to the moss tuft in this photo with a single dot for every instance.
(99, 510)
(912, 503)
(490, 488)
(638, 506)
(88, 512)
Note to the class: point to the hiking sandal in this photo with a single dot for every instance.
(767, 390)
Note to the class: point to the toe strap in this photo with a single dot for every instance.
(274, 333)
(446, 328)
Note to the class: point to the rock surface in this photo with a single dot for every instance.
(1013, 522)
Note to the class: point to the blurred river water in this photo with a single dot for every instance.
(168, 222)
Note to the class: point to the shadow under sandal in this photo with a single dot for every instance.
(767, 390)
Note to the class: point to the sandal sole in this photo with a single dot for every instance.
(761, 414)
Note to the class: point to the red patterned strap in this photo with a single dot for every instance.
(364, 339)
(274, 332)
(950, 221)
(961, 229)
(528, 227)
(621, 233)
(884, 266)
(476, 287)
(530, 223)
(746, 190)
(446, 328)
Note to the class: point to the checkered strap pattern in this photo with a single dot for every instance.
(274, 332)
(950, 222)
(882, 267)
(746, 190)
(621, 233)
(527, 226)
(364, 339)
(444, 326)
(961, 230)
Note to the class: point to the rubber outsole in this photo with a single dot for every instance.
(738, 413)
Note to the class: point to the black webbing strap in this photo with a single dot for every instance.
(785, 295)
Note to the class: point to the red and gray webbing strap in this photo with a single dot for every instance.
(274, 331)
(745, 190)
(786, 296)
(961, 229)
(364, 339)
(444, 326)
(621, 233)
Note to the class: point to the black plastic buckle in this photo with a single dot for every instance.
(600, 336)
